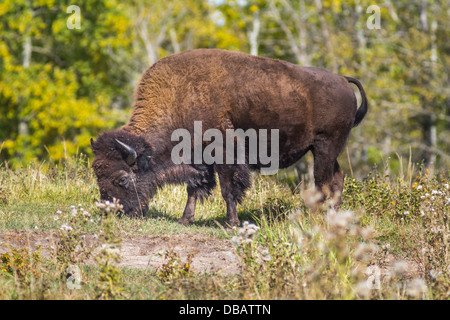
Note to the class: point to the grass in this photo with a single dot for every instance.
(390, 240)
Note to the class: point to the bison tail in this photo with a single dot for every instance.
(361, 112)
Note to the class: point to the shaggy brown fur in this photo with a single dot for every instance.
(313, 109)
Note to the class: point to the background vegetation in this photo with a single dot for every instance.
(61, 86)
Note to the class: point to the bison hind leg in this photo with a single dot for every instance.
(328, 175)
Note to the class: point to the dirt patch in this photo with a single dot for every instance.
(209, 255)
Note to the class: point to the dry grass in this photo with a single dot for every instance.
(390, 240)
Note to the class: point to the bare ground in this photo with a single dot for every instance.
(209, 254)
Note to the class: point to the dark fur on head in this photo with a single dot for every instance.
(130, 183)
(145, 175)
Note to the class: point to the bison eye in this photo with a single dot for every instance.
(123, 181)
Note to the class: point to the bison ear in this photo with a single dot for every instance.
(144, 160)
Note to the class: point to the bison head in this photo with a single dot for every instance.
(123, 166)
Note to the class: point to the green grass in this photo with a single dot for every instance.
(297, 252)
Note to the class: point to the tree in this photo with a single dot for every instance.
(57, 84)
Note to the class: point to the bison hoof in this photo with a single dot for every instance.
(232, 223)
(184, 222)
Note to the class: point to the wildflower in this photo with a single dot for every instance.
(446, 186)
(56, 218)
(419, 187)
(340, 219)
(66, 228)
(363, 289)
(300, 241)
(416, 288)
(73, 211)
(435, 274)
(246, 234)
(406, 213)
(367, 232)
(108, 207)
(265, 255)
(400, 268)
(58, 212)
(434, 192)
(248, 230)
(85, 213)
(365, 251)
(101, 205)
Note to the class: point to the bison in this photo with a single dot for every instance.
(310, 108)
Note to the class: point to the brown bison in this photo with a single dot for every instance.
(310, 109)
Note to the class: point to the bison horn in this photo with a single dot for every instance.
(131, 154)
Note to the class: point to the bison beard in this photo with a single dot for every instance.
(312, 109)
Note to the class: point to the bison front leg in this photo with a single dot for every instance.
(189, 210)
(199, 187)
(234, 181)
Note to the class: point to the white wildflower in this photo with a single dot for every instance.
(363, 290)
(365, 251)
(400, 268)
(340, 219)
(416, 288)
(236, 240)
(265, 255)
(435, 274)
(246, 233)
(66, 228)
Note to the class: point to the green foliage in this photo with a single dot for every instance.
(61, 86)
(20, 264)
(57, 85)
(173, 268)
